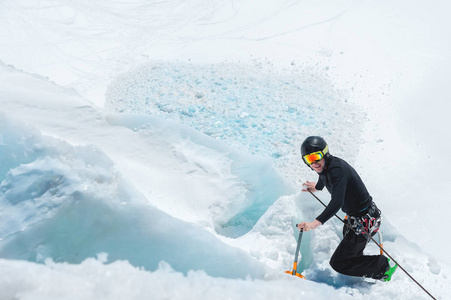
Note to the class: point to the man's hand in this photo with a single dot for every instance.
(309, 185)
(309, 226)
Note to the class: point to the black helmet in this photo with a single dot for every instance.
(314, 144)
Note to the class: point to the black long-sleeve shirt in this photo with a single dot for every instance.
(346, 188)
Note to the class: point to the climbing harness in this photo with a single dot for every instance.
(366, 225)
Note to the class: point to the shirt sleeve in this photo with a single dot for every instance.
(338, 189)
(319, 185)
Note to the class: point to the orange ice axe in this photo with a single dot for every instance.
(295, 264)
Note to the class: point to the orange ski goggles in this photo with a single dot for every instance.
(315, 156)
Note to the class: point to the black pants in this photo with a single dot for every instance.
(348, 258)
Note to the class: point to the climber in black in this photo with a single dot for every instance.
(351, 196)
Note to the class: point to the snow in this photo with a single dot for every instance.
(151, 149)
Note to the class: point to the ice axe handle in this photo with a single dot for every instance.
(298, 247)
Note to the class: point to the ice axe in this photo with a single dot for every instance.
(295, 264)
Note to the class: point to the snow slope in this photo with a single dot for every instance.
(147, 145)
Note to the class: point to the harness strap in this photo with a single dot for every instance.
(367, 224)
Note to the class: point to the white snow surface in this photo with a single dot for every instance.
(150, 150)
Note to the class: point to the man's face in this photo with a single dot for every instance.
(319, 165)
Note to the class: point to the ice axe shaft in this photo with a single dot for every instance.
(296, 256)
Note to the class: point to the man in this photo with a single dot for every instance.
(349, 194)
